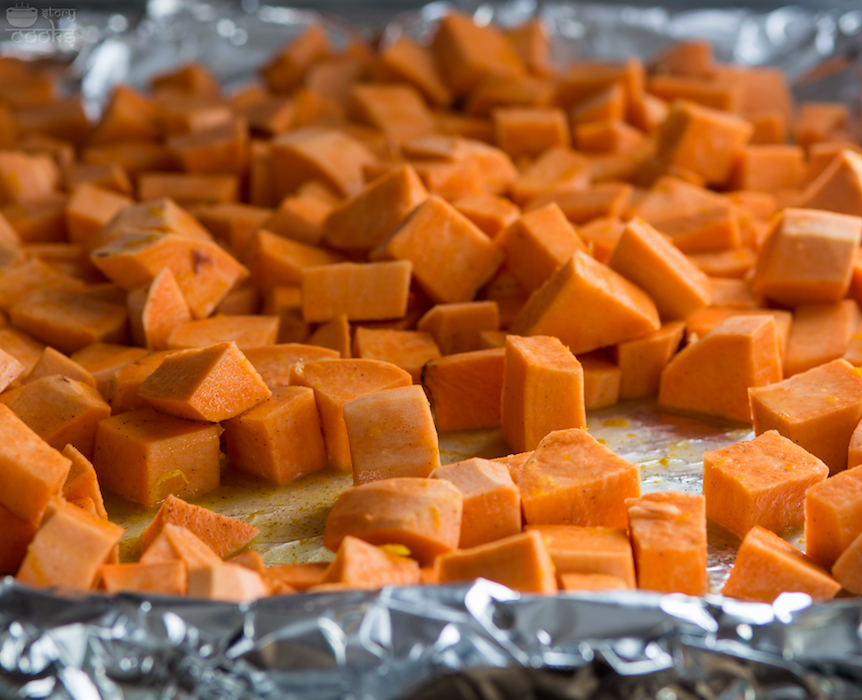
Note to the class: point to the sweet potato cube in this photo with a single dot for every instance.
(465, 389)
(833, 516)
(164, 578)
(60, 410)
(668, 531)
(537, 244)
(571, 582)
(273, 362)
(490, 213)
(605, 199)
(492, 503)
(713, 376)
(589, 550)
(398, 110)
(212, 383)
(82, 482)
(129, 115)
(300, 218)
(557, 169)
(409, 350)
(226, 582)
(26, 178)
(203, 270)
(609, 136)
(361, 291)
(222, 149)
(451, 257)
(424, 515)
(162, 216)
(405, 60)
(69, 322)
(247, 331)
(520, 562)
(177, 543)
(610, 308)
(807, 257)
(68, 549)
(391, 434)
(767, 566)
(643, 359)
(157, 309)
(646, 258)
(839, 187)
(769, 168)
(17, 535)
(337, 381)
(572, 479)
(273, 260)
(89, 209)
(232, 223)
(225, 535)
(455, 327)
(370, 217)
(102, 360)
(530, 131)
(145, 456)
(601, 380)
(759, 482)
(10, 369)
(702, 139)
(467, 53)
(328, 155)
(847, 569)
(189, 188)
(818, 410)
(55, 362)
(819, 334)
(294, 577)
(358, 564)
(280, 439)
(543, 390)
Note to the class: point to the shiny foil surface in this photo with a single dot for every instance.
(387, 644)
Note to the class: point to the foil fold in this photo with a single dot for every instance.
(385, 645)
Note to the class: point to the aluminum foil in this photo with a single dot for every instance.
(385, 645)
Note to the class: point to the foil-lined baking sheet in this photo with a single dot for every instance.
(385, 645)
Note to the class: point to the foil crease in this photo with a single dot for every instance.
(386, 644)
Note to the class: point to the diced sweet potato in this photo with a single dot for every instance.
(223, 534)
(337, 381)
(543, 390)
(279, 439)
(492, 503)
(165, 578)
(519, 561)
(818, 410)
(589, 550)
(465, 389)
(191, 383)
(643, 359)
(145, 456)
(806, 257)
(668, 531)
(572, 479)
(273, 362)
(759, 482)
(424, 515)
(713, 376)
(610, 308)
(68, 548)
(358, 564)
(767, 566)
(82, 481)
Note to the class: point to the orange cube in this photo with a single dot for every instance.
(530, 131)
(144, 456)
(492, 502)
(668, 531)
(572, 479)
(818, 410)
(543, 390)
(743, 482)
(391, 434)
(767, 566)
(279, 439)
